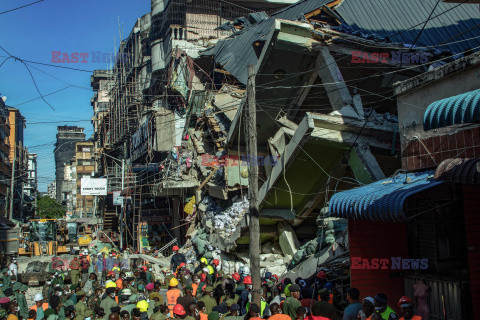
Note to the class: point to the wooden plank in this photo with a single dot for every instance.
(207, 179)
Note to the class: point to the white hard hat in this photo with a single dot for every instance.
(85, 251)
(38, 297)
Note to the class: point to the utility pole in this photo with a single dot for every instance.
(254, 227)
(122, 213)
(12, 185)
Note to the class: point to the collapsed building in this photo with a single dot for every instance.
(173, 117)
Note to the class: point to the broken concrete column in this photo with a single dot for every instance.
(288, 240)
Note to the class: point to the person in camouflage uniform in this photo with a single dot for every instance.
(3, 308)
(94, 301)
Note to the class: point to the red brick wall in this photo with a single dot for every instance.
(377, 240)
(463, 144)
(472, 225)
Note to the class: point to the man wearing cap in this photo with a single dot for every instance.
(84, 265)
(291, 303)
(132, 303)
(368, 308)
(382, 307)
(98, 266)
(109, 262)
(75, 270)
(39, 306)
(81, 308)
(208, 299)
(177, 258)
(406, 305)
(109, 301)
(173, 294)
(234, 313)
(22, 301)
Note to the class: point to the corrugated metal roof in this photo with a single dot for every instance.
(387, 18)
(462, 108)
(456, 170)
(382, 200)
(401, 21)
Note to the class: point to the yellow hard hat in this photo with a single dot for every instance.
(142, 306)
(204, 260)
(110, 284)
(210, 270)
(173, 282)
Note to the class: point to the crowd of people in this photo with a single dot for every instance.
(109, 286)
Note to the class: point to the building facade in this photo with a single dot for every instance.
(67, 137)
(5, 166)
(84, 166)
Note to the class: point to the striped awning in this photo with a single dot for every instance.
(382, 200)
(463, 108)
(461, 171)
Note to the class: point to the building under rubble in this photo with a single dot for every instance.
(169, 121)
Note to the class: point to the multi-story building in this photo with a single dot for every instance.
(18, 159)
(52, 190)
(70, 187)
(5, 167)
(85, 165)
(30, 188)
(67, 137)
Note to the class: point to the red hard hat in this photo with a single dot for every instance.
(182, 264)
(176, 248)
(322, 275)
(275, 276)
(203, 277)
(178, 309)
(247, 280)
(111, 273)
(404, 300)
(236, 276)
(215, 262)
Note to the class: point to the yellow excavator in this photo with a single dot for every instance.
(43, 237)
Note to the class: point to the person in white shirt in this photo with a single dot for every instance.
(13, 268)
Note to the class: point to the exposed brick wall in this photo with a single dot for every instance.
(462, 144)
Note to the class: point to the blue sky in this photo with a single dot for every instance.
(32, 33)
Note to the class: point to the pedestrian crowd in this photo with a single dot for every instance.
(110, 286)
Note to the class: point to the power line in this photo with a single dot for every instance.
(27, 5)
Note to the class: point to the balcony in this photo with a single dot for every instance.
(6, 169)
(85, 169)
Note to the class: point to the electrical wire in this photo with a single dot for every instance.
(27, 5)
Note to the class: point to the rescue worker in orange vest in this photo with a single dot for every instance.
(406, 305)
(39, 306)
(173, 294)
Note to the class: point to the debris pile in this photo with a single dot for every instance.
(225, 218)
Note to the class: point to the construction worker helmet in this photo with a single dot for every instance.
(142, 306)
(215, 262)
(204, 260)
(247, 280)
(175, 248)
(179, 310)
(236, 276)
(110, 284)
(210, 270)
(173, 282)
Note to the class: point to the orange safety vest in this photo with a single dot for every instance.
(172, 296)
(414, 318)
(44, 307)
(119, 283)
(194, 287)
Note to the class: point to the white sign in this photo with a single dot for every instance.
(93, 187)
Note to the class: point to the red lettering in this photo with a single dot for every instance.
(206, 160)
(384, 56)
(233, 161)
(355, 261)
(65, 58)
(366, 264)
(384, 263)
(356, 57)
(375, 263)
(375, 57)
(75, 57)
(55, 56)
(84, 55)
(366, 57)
